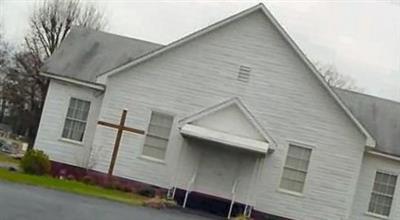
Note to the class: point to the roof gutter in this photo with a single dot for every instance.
(92, 85)
(385, 155)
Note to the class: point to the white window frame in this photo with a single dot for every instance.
(392, 197)
(151, 158)
(68, 139)
(293, 192)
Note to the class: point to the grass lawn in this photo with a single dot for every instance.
(72, 186)
(7, 159)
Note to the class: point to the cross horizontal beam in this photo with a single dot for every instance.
(117, 126)
(120, 129)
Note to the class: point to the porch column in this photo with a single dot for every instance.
(253, 188)
(175, 177)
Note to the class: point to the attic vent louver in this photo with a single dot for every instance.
(244, 73)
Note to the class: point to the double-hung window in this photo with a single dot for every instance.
(157, 136)
(295, 169)
(382, 194)
(75, 122)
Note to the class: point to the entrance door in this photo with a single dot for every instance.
(219, 167)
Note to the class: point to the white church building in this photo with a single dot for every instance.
(234, 112)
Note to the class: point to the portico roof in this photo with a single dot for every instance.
(225, 138)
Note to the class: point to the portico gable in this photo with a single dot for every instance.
(229, 123)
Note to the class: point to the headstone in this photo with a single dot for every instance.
(24, 146)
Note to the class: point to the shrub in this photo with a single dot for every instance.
(35, 162)
(128, 188)
(115, 184)
(71, 177)
(90, 180)
(119, 186)
(161, 192)
(107, 184)
(241, 217)
(147, 191)
(110, 183)
(134, 189)
(124, 187)
(160, 203)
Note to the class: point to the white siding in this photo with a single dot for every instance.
(371, 164)
(52, 123)
(282, 94)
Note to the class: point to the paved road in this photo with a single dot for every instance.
(22, 202)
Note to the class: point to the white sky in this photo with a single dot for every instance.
(361, 38)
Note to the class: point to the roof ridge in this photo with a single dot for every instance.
(114, 35)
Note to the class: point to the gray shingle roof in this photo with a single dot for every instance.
(381, 117)
(86, 53)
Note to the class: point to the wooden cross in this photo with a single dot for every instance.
(121, 127)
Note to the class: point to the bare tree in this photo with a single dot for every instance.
(4, 63)
(4, 52)
(49, 25)
(51, 22)
(335, 79)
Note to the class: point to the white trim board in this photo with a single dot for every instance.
(225, 138)
(74, 81)
(385, 155)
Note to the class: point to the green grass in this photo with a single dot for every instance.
(72, 186)
(7, 159)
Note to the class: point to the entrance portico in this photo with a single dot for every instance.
(223, 151)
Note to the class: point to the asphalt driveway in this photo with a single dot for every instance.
(22, 202)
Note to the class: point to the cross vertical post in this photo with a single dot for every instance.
(120, 129)
(117, 142)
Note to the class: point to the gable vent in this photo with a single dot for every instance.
(244, 73)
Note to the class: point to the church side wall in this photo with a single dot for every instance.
(372, 164)
(52, 123)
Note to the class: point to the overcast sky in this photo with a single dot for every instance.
(361, 38)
